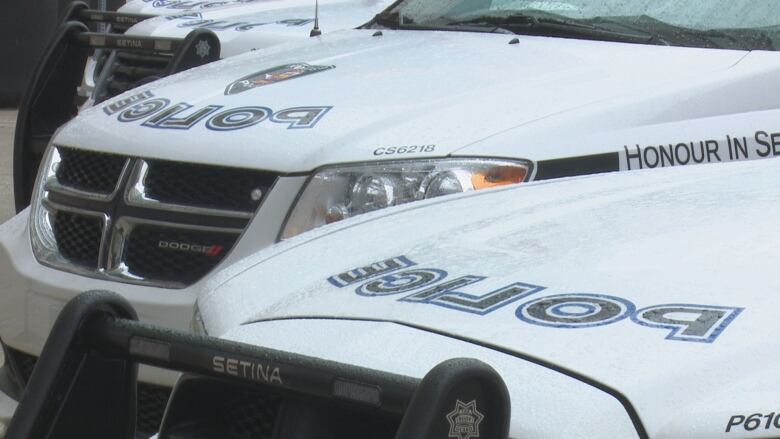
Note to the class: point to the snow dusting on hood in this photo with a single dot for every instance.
(465, 93)
(645, 242)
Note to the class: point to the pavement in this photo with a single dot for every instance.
(7, 123)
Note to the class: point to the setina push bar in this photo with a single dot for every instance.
(84, 386)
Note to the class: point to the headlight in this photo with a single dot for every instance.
(337, 193)
(44, 243)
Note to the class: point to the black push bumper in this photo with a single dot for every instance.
(85, 385)
(51, 97)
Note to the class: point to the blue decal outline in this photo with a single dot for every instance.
(434, 299)
(629, 310)
(561, 313)
(121, 118)
(403, 260)
(674, 329)
(438, 272)
(268, 113)
(159, 126)
(325, 110)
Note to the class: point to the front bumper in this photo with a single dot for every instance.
(32, 295)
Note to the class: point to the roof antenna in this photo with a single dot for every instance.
(316, 31)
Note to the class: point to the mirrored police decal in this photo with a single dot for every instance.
(400, 275)
(236, 118)
(272, 75)
(172, 117)
(184, 16)
(160, 113)
(121, 104)
(186, 4)
(142, 110)
(404, 281)
(575, 310)
(360, 274)
(446, 294)
(239, 26)
(688, 322)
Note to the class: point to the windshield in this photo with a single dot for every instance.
(730, 24)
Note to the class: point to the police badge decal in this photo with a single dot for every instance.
(464, 420)
(272, 75)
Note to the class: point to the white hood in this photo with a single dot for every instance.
(695, 239)
(255, 25)
(387, 347)
(465, 93)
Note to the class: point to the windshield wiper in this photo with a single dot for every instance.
(392, 20)
(735, 38)
(528, 24)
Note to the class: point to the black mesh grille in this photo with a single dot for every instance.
(177, 255)
(89, 171)
(151, 399)
(151, 406)
(207, 186)
(78, 237)
(130, 70)
(250, 417)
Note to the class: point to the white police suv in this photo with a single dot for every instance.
(623, 305)
(152, 192)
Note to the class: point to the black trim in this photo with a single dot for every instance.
(116, 19)
(48, 102)
(98, 386)
(622, 399)
(72, 11)
(187, 57)
(580, 165)
(8, 383)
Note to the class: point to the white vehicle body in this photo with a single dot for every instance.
(240, 25)
(558, 106)
(244, 26)
(249, 25)
(648, 292)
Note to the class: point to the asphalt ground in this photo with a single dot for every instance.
(7, 123)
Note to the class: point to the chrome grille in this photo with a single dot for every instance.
(89, 171)
(205, 186)
(188, 254)
(140, 229)
(78, 237)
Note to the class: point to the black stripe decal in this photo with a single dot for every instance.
(580, 165)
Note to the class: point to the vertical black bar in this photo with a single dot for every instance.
(72, 392)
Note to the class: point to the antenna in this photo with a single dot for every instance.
(316, 31)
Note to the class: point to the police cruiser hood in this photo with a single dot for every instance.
(351, 96)
(254, 25)
(656, 287)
